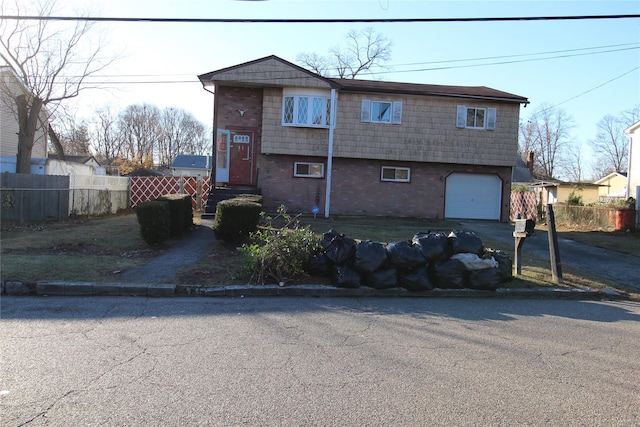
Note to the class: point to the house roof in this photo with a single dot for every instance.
(521, 172)
(558, 183)
(632, 128)
(611, 175)
(84, 159)
(146, 172)
(187, 161)
(378, 86)
(372, 86)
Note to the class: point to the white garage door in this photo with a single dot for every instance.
(473, 196)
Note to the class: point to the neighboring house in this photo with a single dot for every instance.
(555, 191)
(633, 173)
(521, 173)
(189, 165)
(359, 147)
(9, 127)
(612, 185)
(74, 165)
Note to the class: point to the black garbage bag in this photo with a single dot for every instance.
(338, 247)
(487, 279)
(370, 256)
(405, 255)
(319, 265)
(382, 279)
(465, 242)
(450, 274)
(415, 280)
(434, 246)
(345, 276)
(505, 264)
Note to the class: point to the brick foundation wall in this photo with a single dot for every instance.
(357, 190)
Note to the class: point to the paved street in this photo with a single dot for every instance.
(78, 361)
(616, 266)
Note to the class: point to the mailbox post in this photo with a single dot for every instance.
(523, 229)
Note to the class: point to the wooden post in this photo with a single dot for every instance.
(517, 261)
(554, 251)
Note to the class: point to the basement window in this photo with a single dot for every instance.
(393, 174)
(308, 170)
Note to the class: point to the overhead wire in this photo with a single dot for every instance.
(313, 20)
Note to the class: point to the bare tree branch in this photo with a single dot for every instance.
(365, 51)
(50, 61)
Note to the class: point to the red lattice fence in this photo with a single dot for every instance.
(145, 188)
(524, 204)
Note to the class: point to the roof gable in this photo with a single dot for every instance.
(267, 71)
(632, 128)
(611, 175)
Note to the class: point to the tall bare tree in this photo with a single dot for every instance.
(548, 133)
(51, 60)
(106, 136)
(574, 164)
(140, 130)
(180, 134)
(610, 144)
(365, 51)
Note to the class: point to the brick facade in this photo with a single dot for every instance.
(356, 187)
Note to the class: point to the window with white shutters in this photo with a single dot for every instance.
(381, 111)
(475, 118)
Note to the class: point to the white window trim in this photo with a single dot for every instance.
(489, 118)
(395, 115)
(296, 94)
(310, 164)
(382, 178)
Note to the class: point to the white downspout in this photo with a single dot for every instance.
(332, 126)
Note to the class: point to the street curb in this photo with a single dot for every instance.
(238, 291)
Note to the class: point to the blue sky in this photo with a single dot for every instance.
(588, 68)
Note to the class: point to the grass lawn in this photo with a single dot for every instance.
(100, 249)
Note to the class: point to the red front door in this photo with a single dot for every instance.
(241, 165)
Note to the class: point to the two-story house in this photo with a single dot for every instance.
(358, 147)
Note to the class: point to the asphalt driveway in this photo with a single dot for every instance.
(621, 268)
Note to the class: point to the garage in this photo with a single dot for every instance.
(473, 196)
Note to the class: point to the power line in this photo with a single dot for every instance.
(394, 71)
(314, 21)
(593, 88)
(523, 54)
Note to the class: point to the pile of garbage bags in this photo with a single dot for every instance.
(454, 260)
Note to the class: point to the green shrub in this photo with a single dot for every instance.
(155, 221)
(251, 197)
(574, 200)
(180, 211)
(278, 254)
(235, 219)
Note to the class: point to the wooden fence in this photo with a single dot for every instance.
(98, 194)
(34, 198)
(41, 198)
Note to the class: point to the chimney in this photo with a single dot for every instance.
(530, 162)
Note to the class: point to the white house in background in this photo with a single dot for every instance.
(74, 165)
(633, 174)
(190, 165)
(9, 128)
